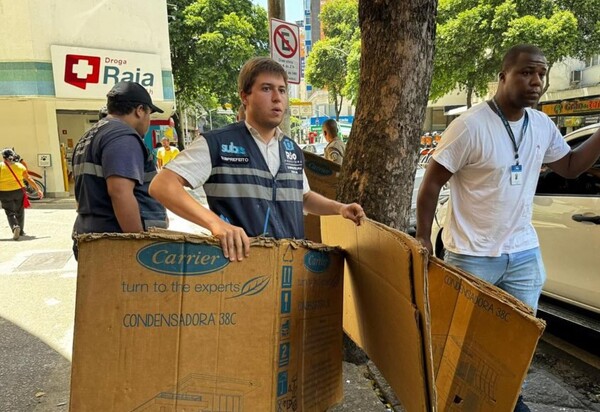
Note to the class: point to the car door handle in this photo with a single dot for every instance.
(586, 218)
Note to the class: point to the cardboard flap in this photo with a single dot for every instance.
(379, 310)
(483, 341)
(469, 343)
(176, 236)
(322, 174)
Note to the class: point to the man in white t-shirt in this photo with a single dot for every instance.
(492, 155)
(253, 174)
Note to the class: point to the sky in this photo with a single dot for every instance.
(293, 9)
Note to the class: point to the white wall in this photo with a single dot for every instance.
(29, 27)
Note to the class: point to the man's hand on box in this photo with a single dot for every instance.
(354, 212)
(426, 242)
(234, 241)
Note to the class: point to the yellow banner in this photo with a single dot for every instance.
(571, 107)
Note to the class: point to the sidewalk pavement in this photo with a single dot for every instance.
(37, 304)
(37, 300)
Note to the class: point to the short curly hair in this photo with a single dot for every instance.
(9, 154)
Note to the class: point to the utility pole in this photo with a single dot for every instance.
(277, 11)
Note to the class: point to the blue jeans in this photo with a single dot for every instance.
(521, 274)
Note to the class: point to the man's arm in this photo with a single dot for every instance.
(579, 159)
(125, 205)
(435, 178)
(168, 188)
(319, 205)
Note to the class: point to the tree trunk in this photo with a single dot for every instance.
(395, 76)
(178, 129)
(469, 96)
(547, 85)
(338, 105)
(276, 9)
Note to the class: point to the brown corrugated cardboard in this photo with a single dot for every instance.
(444, 340)
(322, 177)
(165, 323)
(322, 174)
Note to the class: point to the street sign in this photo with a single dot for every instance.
(285, 48)
(301, 109)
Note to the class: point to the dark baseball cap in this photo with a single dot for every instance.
(132, 92)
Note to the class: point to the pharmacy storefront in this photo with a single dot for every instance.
(58, 62)
(87, 75)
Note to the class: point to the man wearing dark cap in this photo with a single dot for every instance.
(113, 168)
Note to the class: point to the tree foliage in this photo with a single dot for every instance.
(326, 69)
(351, 87)
(327, 63)
(210, 41)
(473, 35)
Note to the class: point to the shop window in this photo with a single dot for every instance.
(438, 119)
(592, 61)
(587, 184)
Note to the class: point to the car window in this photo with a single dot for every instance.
(587, 184)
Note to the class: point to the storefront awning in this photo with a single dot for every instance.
(455, 111)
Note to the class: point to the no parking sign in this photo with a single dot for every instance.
(285, 48)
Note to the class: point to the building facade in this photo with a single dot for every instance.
(58, 60)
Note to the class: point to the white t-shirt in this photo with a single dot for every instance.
(487, 215)
(195, 166)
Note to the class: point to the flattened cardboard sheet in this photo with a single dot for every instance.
(473, 344)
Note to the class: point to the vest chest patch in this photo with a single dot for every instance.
(292, 163)
(291, 160)
(235, 159)
(230, 153)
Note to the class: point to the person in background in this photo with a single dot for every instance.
(12, 174)
(335, 148)
(166, 153)
(492, 154)
(113, 168)
(253, 174)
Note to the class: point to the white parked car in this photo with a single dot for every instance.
(566, 216)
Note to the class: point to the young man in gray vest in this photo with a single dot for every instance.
(253, 174)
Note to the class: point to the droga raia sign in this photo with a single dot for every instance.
(90, 73)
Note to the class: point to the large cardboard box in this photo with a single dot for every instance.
(444, 340)
(165, 323)
(322, 175)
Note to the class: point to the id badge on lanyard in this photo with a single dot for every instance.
(516, 170)
(516, 175)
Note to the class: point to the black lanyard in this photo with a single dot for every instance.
(511, 135)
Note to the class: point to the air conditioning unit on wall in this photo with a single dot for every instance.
(575, 76)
